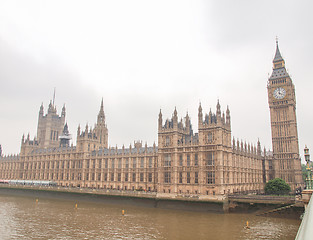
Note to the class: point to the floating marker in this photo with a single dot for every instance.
(76, 206)
(36, 200)
(247, 225)
(123, 212)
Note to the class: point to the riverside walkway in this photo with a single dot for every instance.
(305, 231)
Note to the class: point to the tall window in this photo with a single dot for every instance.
(119, 177)
(180, 160)
(167, 177)
(167, 160)
(196, 159)
(180, 177)
(211, 177)
(100, 163)
(150, 162)
(142, 162)
(112, 176)
(210, 159)
(150, 177)
(167, 141)
(106, 163)
(196, 177)
(113, 164)
(188, 160)
(119, 163)
(188, 177)
(134, 177)
(134, 163)
(126, 163)
(141, 177)
(126, 177)
(210, 137)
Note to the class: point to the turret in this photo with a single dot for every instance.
(175, 119)
(259, 148)
(200, 115)
(218, 110)
(41, 110)
(227, 117)
(160, 120)
(63, 111)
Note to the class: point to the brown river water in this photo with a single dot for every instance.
(24, 218)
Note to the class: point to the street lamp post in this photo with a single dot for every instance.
(308, 180)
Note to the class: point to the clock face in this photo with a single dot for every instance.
(279, 93)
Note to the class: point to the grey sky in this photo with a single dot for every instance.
(141, 56)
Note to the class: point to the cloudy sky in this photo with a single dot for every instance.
(140, 56)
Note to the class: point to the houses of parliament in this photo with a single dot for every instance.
(209, 162)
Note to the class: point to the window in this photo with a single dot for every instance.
(134, 177)
(141, 177)
(210, 137)
(167, 177)
(210, 159)
(99, 176)
(105, 177)
(100, 163)
(119, 163)
(93, 176)
(126, 177)
(180, 160)
(119, 177)
(142, 162)
(87, 176)
(134, 163)
(196, 159)
(188, 177)
(126, 163)
(188, 160)
(113, 163)
(112, 176)
(106, 163)
(167, 141)
(150, 162)
(167, 160)
(93, 163)
(211, 177)
(196, 177)
(150, 177)
(180, 177)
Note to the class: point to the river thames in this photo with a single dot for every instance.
(25, 218)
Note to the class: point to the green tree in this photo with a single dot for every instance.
(277, 186)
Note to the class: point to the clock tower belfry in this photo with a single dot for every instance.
(282, 104)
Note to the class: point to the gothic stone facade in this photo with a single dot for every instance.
(209, 162)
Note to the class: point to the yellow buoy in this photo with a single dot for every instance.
(247, 225)
(36, 200)
(76, 205)
(123, 212)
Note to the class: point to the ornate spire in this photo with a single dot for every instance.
(101, 116)
(63, 111)
(41, 109)
(278, 56)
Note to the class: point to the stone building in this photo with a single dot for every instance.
(209, 162)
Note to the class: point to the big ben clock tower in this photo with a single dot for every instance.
(282, 103)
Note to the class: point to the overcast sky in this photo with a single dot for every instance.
(141, 56)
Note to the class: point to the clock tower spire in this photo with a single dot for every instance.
(282, 104)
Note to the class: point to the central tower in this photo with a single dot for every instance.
(282, 104)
